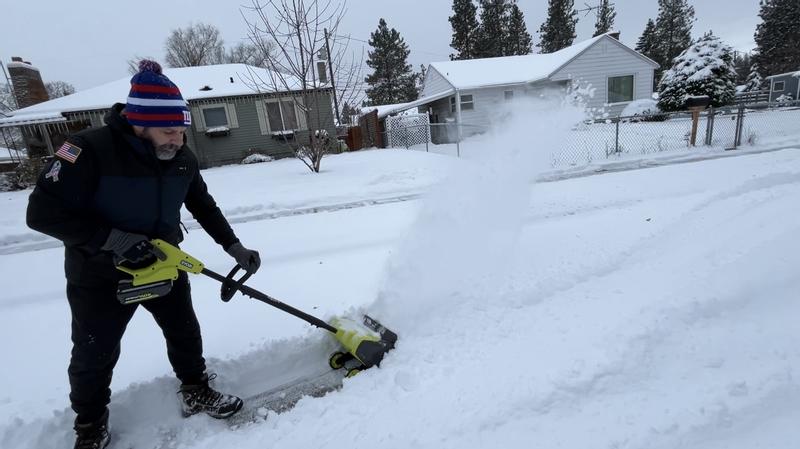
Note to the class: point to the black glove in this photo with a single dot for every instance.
(132, 247)
(246, 258)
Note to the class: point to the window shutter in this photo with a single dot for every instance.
(197, 118)
(233, 120)
(262, 117)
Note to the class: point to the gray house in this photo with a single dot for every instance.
(785, 86)
(234, 114)
(470, 92)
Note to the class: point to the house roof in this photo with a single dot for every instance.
(389, 109)
(795, 74)
(508, 70)
(223, 80)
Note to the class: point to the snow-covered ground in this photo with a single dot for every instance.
(596, 142)
(651, 308)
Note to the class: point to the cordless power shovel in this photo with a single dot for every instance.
(364, 342)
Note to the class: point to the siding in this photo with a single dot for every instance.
(488, 103)
(247, 138)
(434, 83)
(608, 58)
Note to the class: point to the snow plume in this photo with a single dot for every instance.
(464, 239)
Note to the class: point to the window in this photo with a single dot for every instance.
(467, 103)
(215, 116)
(282, 115)
(779, 86)
(620, 89)
(509, 95)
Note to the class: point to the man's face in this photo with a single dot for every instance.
(166, 141)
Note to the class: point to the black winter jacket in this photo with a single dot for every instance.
(116, 181)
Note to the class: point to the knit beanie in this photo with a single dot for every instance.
(154, 100)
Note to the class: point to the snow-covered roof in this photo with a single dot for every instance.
(795, 74)
(223, 80)
(389, 109)
(506, 70)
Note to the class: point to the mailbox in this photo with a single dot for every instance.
(698, 101)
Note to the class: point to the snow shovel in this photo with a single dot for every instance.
(364, 342)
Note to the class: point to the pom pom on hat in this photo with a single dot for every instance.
(147, 65)
(154, 100)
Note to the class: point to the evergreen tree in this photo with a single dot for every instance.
(743, 63)
(349, 113)
(647, 41)
(673, 32)
(605, 18)
(518, 40)
(754, 81)
(393, 80)
(421, 78)
(777, 37)
(558, 31)
(465, 29)
(492, 30)
(705, 68)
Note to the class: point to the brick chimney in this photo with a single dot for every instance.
(27, 82)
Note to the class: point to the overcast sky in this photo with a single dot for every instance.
(88, 42)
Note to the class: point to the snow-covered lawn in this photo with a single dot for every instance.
(648, 309)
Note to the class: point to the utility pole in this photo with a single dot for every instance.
(333, 83)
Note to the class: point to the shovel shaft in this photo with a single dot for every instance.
(255, 294)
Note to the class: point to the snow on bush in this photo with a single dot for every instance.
(705, 68)
(785, 98)
(641, 108)
(754, 80)
(256, 158)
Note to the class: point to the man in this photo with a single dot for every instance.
(107, 193)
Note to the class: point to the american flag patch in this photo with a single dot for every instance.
(69, 152)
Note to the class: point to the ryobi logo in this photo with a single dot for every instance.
(186, 264)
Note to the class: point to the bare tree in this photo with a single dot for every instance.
(56, 89)
(250, 54)
(196, 45)
(7, 101)
(133, 63)
(297, 30)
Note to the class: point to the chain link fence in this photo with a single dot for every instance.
(765, 124)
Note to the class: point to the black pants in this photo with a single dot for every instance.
(98, 322)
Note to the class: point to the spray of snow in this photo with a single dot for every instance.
(464, 238)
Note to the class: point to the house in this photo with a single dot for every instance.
(233, 114)
(470, 92)
(785, 86)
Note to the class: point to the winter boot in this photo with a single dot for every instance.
(93, 435)
(201, 397)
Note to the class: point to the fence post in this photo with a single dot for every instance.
(616, 140)
(710, 127)
(737, 140)
(458, 141)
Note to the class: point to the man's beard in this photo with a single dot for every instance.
(167, 151)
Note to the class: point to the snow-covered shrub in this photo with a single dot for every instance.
(754, 80)
(784, 99)
(26, 174)
(643, 110)
(705, 68)
(256, 158)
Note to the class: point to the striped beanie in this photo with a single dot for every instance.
(154, 101)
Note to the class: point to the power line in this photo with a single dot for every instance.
(367, 42)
